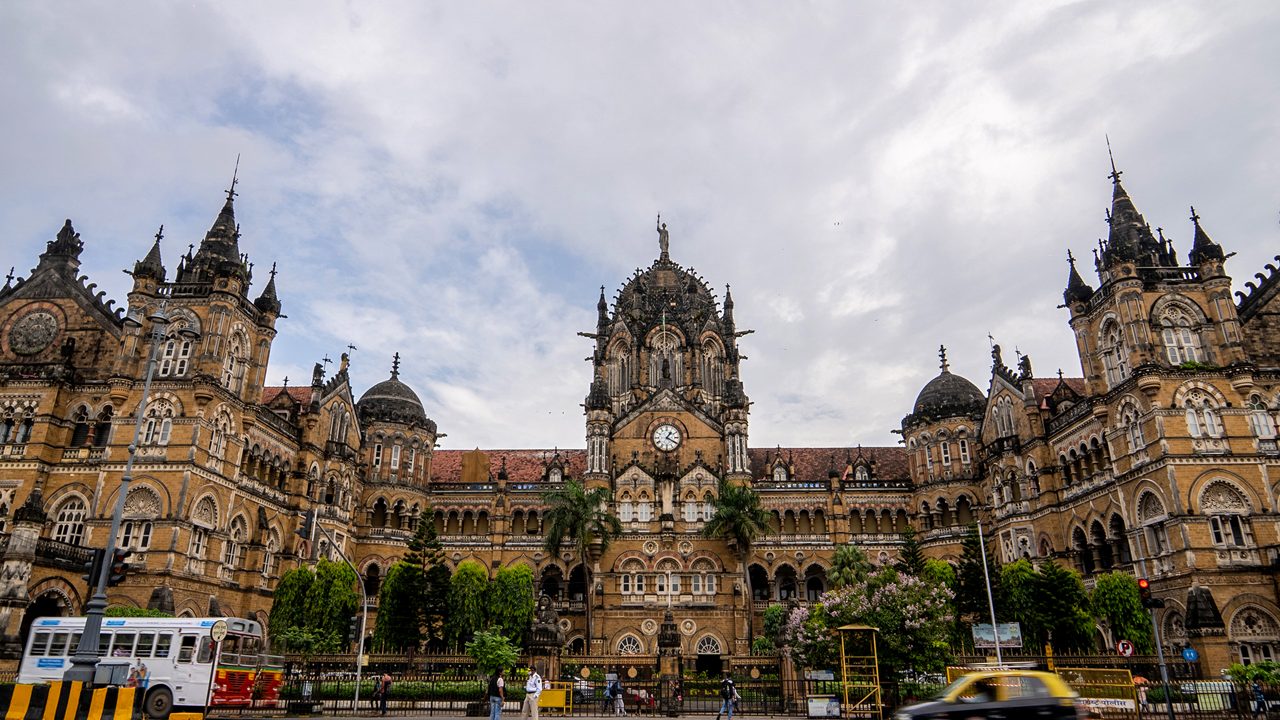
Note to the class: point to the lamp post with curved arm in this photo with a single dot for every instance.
(84, 662)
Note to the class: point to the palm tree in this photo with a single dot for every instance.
(739, 520)
(580, 516)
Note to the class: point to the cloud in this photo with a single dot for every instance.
(455, 182)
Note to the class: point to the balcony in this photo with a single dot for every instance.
(52, 553)
(12, 451)
(84, 454)
(386, 533)
(340, 450)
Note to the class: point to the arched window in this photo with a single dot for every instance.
(1260, 420)
(708, 645)
(269, 554)
(779, 473)
(158, 424)
(234, 363)
(1202, 417)
(233, 550)
(1181, 337)
(1228, 511)
(175, 356)
(629, 645)
(666, 363)
(80, 428)
(1115, 359)
(1132, 427)
(68, 525)
(102, 427)
(964, 451)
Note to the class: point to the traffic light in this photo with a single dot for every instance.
(119, 568)
(353, 630)
(93, 568)
(308, 527)
(1144, 593)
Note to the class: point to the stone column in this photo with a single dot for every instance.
(670, 692)
(15, 573)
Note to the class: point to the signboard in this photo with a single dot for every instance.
(1102, 689)
(1125, 648)
(824, 706)
(1190, 655)
(819, 675)
(984, 635)
(219, 631)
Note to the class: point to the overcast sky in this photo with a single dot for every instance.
(455, 181)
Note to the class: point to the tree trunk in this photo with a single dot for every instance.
(746, 590)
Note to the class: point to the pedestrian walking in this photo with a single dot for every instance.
(619, 702)
(383, 691)
(1259, 701)
(532, 690)
(728, 694)
(497, 693)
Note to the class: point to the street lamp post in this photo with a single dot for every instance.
(364, 609)
(85, 660)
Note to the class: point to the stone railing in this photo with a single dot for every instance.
(62, 555)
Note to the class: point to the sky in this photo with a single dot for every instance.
(455, 181)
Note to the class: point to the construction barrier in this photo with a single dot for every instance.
(60, 700)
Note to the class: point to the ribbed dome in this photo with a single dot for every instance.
(948, 395)
(392, 401)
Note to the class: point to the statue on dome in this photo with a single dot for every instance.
(663, 238)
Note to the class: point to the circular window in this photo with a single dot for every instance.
(708, 645)
(629, 645)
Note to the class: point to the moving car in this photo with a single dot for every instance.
(1010, 694)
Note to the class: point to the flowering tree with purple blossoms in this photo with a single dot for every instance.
(912, 614)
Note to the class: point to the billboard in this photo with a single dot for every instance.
(984, 637)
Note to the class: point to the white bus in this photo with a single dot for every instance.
(174, 661)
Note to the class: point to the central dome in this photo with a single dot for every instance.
(948, 395)
(666, 292)
(392, 401)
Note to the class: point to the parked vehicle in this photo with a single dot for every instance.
(1001, 693)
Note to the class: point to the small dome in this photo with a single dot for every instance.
(948, 395)
(393, 401)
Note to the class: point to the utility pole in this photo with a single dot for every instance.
(991, 603)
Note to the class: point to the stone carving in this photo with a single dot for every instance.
(1150, 508)
(664, 240)
(1222, 498)
(1255, 624)
(142, 502)
(206, 512)
(546, 635)
(33, 333)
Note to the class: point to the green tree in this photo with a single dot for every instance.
(940, 572)
(492, 652)
(511, 602)
(580, 517)
(468, 591)
(849, 566)
(427, 554)
(400, 600)
(775, 616)
(1115, 599)
(127, 611)
(911, 559)
(738, 520)
(330, 603)
(1065, 606)
(1020, 602)
(289, 602)
(972, 604)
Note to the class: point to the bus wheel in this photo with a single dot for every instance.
(159, 703)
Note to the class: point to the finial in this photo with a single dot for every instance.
(9, 278)
(942, 355)
(1059, 373)
(160, 234)
(326, 360)
(395, 366)
(1071, 260)
(1194, 217)
(286, 382)
(663, 238)
(231, 192)
(1115, 174)
(273, 270)
(1106, 214)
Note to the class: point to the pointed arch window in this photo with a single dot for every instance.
(158, 425)
(779, 473)
(175, 356)
(1260, 420)
(1202, 417)
(68, 526)
(269, 554)
(1115, 359)
(80, 428)
(233, 550)
(102, 427)
(1181, 336)
(233, 365)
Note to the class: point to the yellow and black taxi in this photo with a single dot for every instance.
(1001, 695)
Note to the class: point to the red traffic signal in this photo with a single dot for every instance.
(119, 568)
(1144, 594)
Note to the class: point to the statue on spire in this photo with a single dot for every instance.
(663, 239)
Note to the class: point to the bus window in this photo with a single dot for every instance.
(40, 645)
(58, 647)
(104, 641)
(206, 649)
(146, 641)
(231, 645)
(123, 646)
(188, 648)
(164, 641)
(75, 644)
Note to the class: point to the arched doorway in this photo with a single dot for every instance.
(48, 604)
(577, 584)
(553, 583)
(709, 651)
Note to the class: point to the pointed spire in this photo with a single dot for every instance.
(219, 253)
(1202, 248)
(1129, 235)
(602, 309)
(1077, 290)
(268, 301)
(151, 266)
(395, 366)
(728, 309)
(942, 355)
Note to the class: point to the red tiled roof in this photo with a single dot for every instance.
(1044, 387)
(299, 394)
(528, 466)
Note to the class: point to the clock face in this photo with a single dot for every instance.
(33, 333)
(666, 437)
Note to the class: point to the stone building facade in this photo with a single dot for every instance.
(1157, 461)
